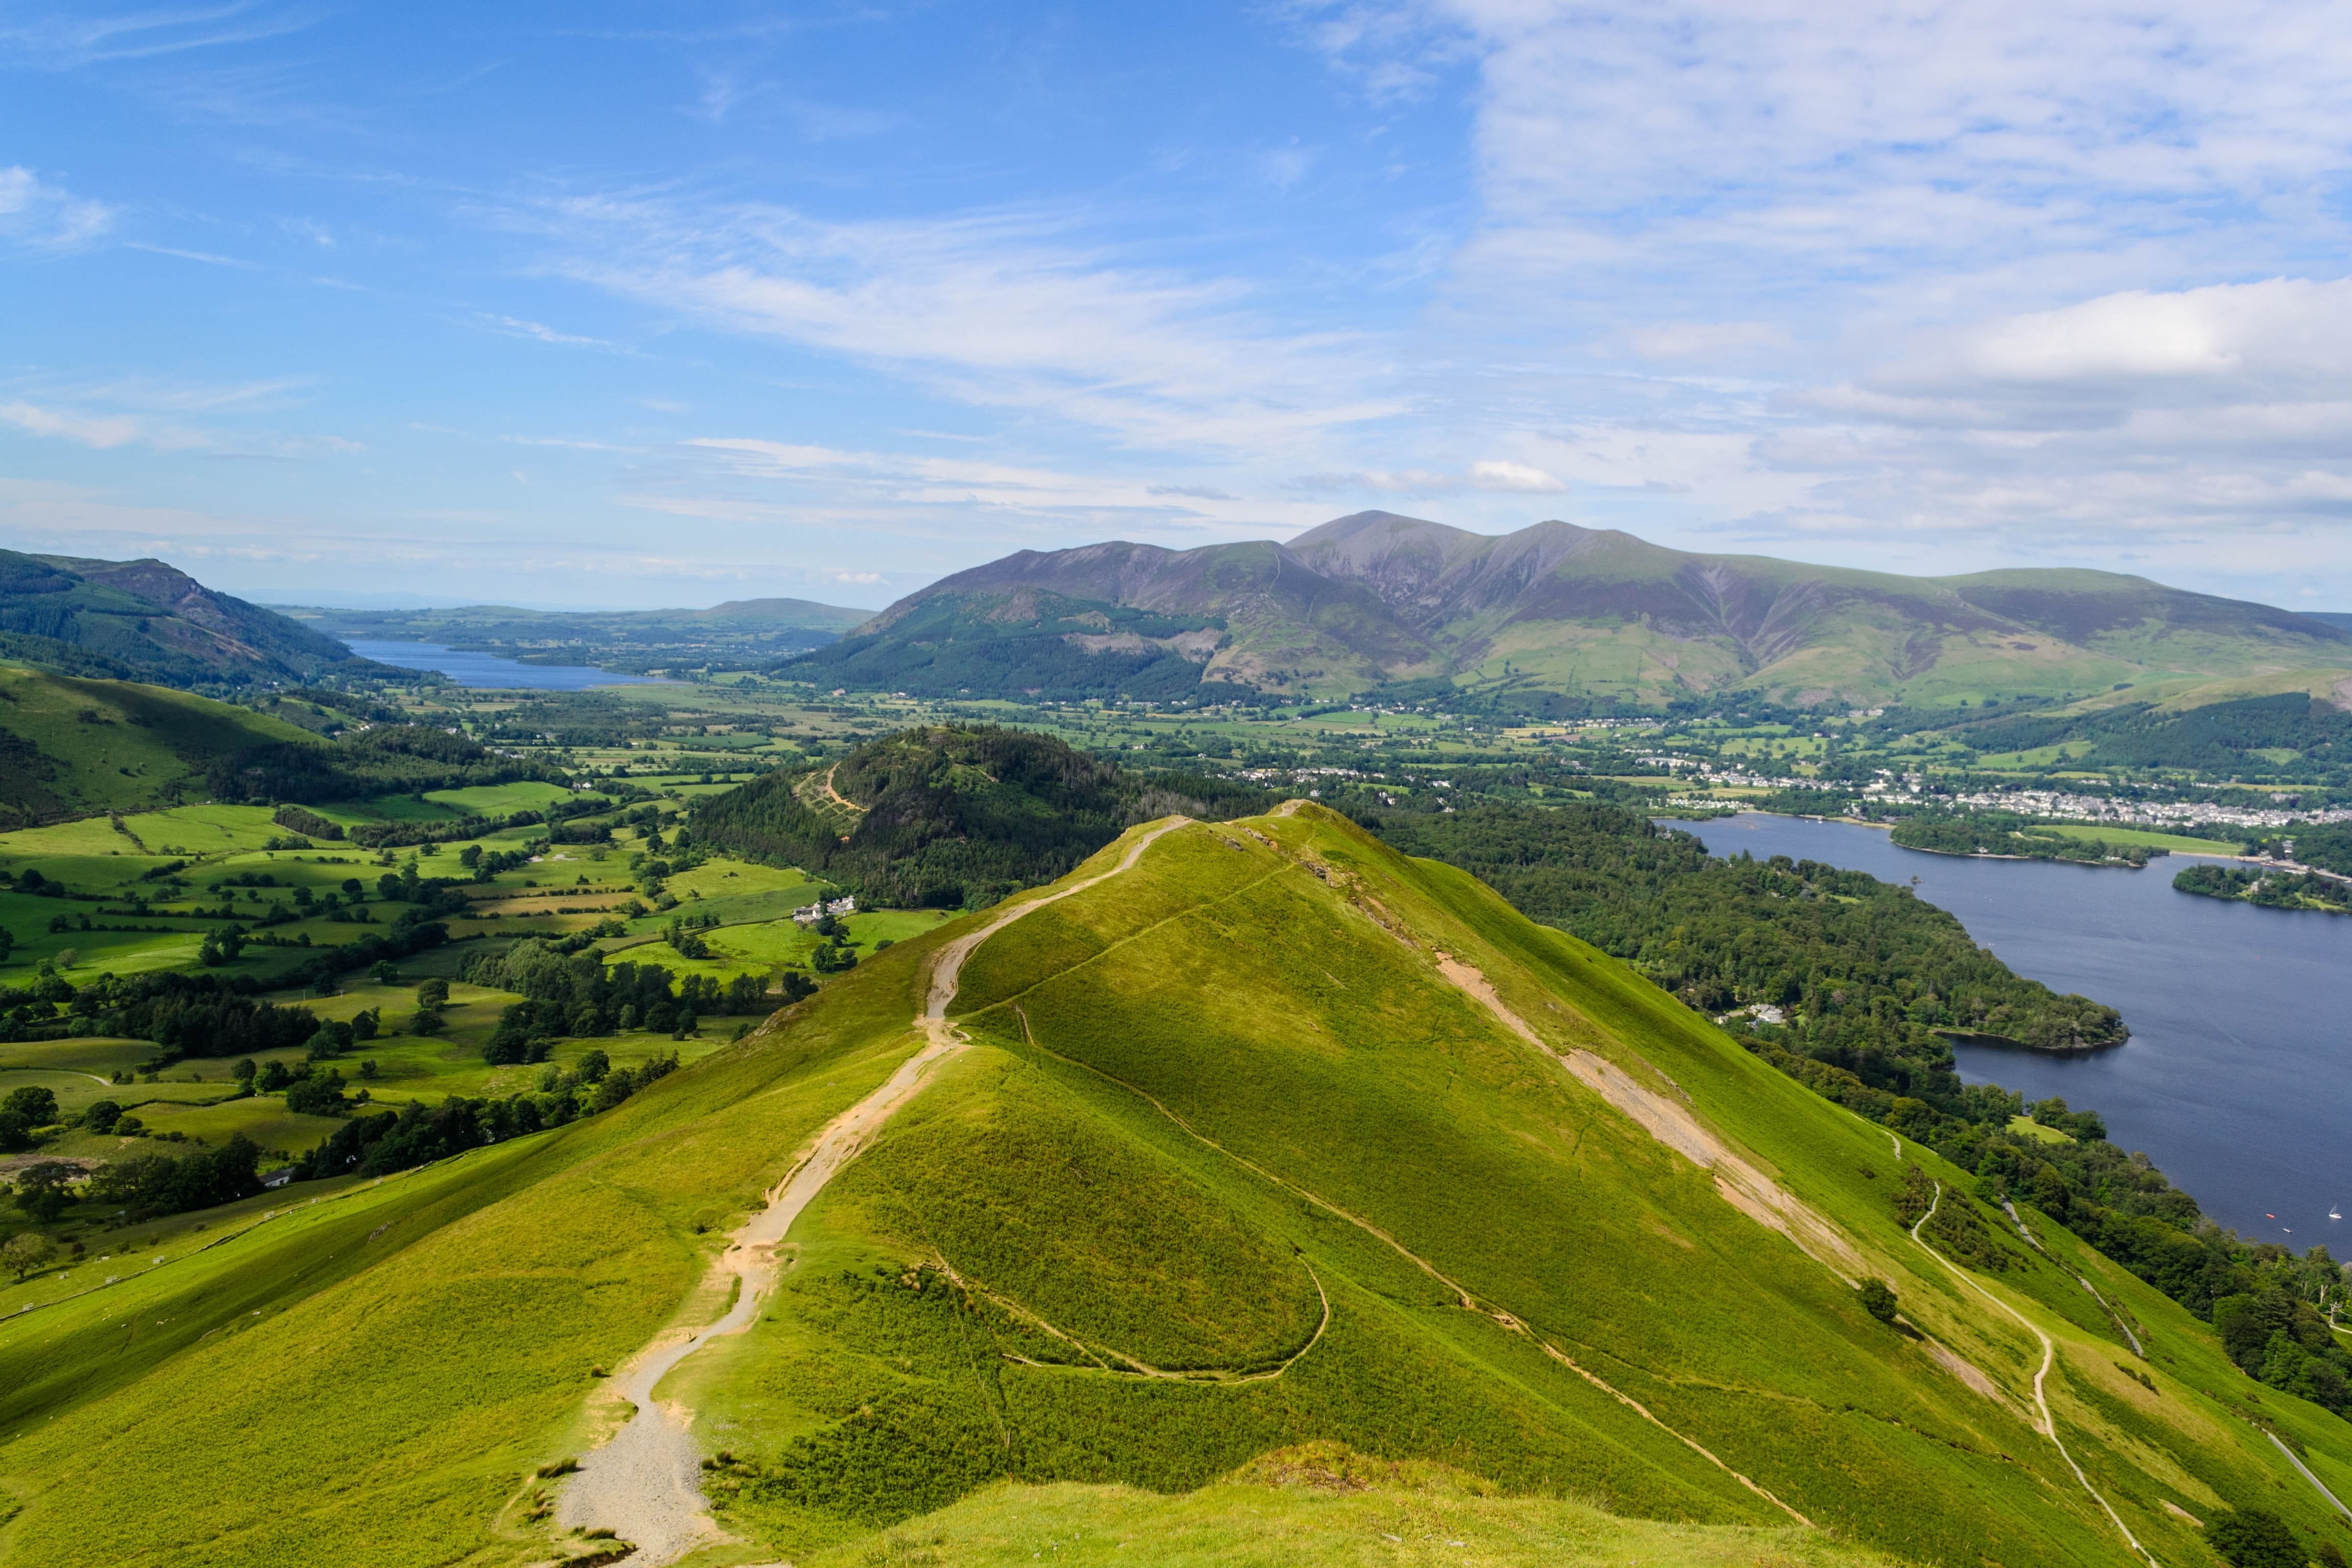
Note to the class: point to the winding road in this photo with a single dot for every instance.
(644, 1484)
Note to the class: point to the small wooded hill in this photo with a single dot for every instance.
(940, 818)
(1377, 601)
(1278, 1140)
(72, 747)
(142, 620)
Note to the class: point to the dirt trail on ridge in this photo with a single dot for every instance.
(644, 1485)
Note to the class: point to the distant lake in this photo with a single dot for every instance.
(488, 670)
(2236, 1079)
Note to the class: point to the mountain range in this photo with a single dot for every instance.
(739, 634)
(1378, 601)
(143, 620)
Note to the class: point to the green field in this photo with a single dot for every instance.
(2178, 843)
(2034, 1129)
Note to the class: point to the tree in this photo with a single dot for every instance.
(383, 971)
(27, 1253)
(1877, 1300)
(41, 1189)
(432, 993)
(35, 1106)
(101, 1115)
(2255, 1537)
(320, 1094)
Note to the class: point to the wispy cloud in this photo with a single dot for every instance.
(1009, 310)
(39, 216)
(99, 430)
(515, 326)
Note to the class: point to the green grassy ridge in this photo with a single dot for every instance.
(1276, 1013)
(139, 746)
(440, 1379)
(1629, 1000)
(1137, 915)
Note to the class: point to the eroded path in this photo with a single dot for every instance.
(2048, 1425)
(644, 1484)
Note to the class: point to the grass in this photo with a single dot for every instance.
(1323, 1507)
(2029, 1128)
(111, 745)
(2178, 843)
(758, 949)
(1191, 1087)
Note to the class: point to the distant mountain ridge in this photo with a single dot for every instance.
(741, 633)
(1377, 599)
(145, 620)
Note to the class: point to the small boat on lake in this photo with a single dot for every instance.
(2332, 1214)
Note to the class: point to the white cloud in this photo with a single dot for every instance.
(1518, 476)
(40, 216)
(2284, 328)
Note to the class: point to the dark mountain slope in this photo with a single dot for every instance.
(1287, 626)
(148, 621)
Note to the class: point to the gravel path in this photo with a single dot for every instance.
(645, 1484)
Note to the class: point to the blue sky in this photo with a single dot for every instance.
(594, 304)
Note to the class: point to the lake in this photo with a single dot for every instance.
(2236, 1079)
(487, 669)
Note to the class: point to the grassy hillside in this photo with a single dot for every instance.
(1278, 1139)
(72, 747)
(143, 620)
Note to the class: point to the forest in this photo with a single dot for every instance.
(2020, 837)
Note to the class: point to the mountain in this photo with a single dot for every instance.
(1253, 1158)
(738, 633)
(1558, 611)
(941, 817)
(143, 620)
(71, 747)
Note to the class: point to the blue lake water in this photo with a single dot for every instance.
(2237, 1080)
(487, 669)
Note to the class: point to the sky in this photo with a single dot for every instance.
(631, 306)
